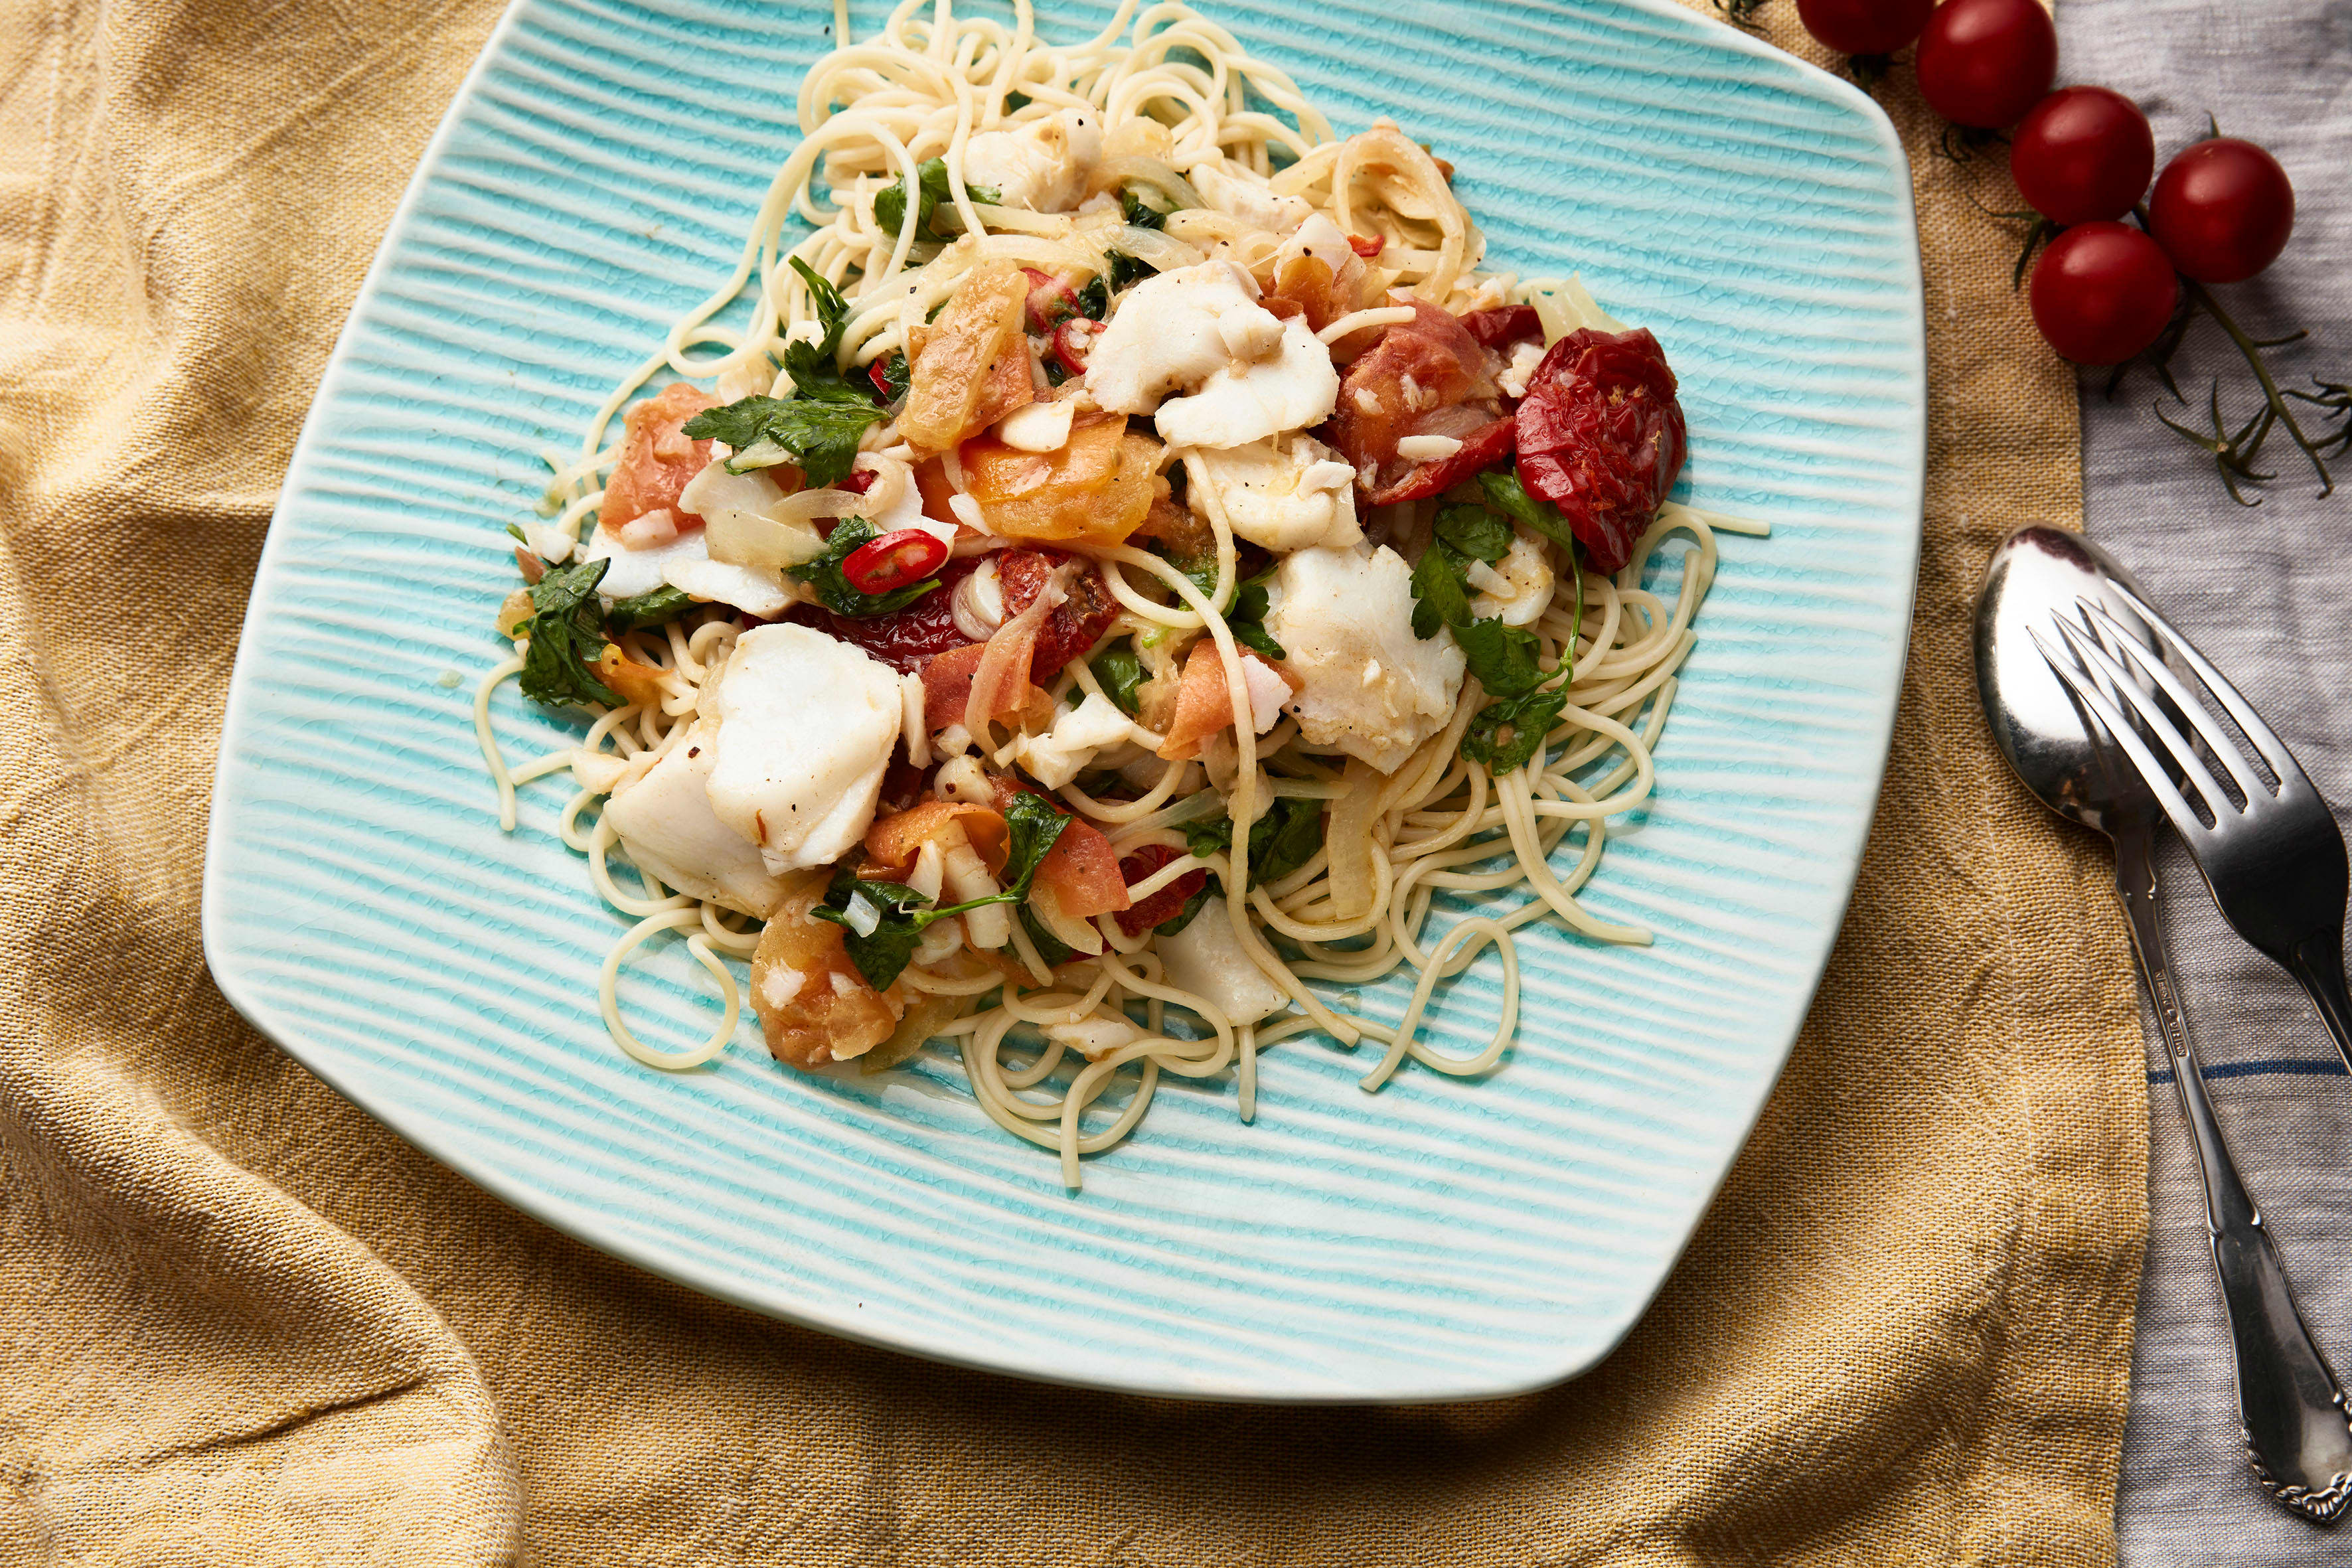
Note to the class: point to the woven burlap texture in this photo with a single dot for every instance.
(242, 1324)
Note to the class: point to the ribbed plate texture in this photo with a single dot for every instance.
(1442, 1238)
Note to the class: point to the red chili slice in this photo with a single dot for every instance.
(1602, 436)
(1366, 248)
(1509, 324)
(1165, 905)
(1051, 300)
(859, 483)
(1482, 449)
(885, 565)
(1069, 343)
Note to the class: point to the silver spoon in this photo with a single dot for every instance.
(2292, 1409)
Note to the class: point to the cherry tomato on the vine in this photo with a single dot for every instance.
(2083, 155)
(2102, 292)
(1865, 27)
(1983, 63)
(2222, 210)
(885, 565)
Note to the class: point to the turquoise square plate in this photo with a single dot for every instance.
(1442, 1239)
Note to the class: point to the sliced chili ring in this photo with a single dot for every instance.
(1069, 343)
(1366, 248)
(1051, 300)
(885, 565)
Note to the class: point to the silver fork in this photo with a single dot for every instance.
(2273, 859)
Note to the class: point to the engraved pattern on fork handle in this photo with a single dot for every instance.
(2292, 1411)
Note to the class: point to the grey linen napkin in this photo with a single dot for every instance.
(2263, 592)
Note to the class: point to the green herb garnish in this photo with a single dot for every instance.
(1536, 515)
(819, 425)
(1138, 213)
(1528, 717)
(931, 192)
(567, 636)
(894, 913)
(833, 589)
(1280, 842)
(1119, 672)
(655, 607)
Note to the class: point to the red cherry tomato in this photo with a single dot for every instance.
(1865, 27)
(2222, 210)
(2102, 292)
(2084, 155)
(885, 565)
(1983, 63)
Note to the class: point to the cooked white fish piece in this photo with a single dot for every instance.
(1518, 587)
(1250, 399)
(1207, 958)
(1286, 495)
(1173, 331)
(1372, 688)
(1041, 164)
(806, 725)
(668, 828)
(1238, 194)
(1068, 749)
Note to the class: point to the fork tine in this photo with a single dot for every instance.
(2221, 745)
(2120, 685)
(2274, 750)
(2121, 732)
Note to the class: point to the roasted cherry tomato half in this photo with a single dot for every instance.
(2222, 210)
(885, 565)
(1601, 436)
(2102, 292)
(1865, 27)
(2083, 155)
(1983, 63)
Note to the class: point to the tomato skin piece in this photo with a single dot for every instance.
(1503, 326)
(1156, 908)
(885, 565)
(2102, 292)
(1602, 436)
(1072, 626)
(2222, 210)
(1865, 27)
(2083, 155)
(1983, 63)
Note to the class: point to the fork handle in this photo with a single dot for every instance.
(2291, 1409)
(2318, 964)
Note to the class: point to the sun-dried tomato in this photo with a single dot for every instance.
(1156, 908)
(1602, 438)
(1482, 449)
(1509, 324)
(1073, 625)
(905, 639)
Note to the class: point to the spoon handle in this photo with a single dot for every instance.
(2292, 1410)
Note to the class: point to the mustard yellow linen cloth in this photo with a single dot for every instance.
(242, 1324)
